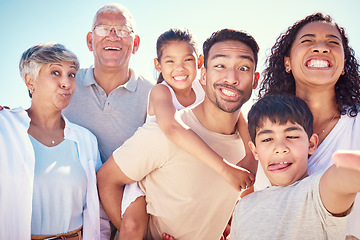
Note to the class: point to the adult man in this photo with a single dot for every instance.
(110, 99)
(186, 198)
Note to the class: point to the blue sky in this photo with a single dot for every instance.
(25, 23)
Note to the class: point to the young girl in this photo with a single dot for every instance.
(177, 62)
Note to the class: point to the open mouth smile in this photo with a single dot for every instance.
(318, 63)
(180, 78)
(228, 92)
(112, 48)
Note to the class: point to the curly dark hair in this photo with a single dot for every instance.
(278, 81)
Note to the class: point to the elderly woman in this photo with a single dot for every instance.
(47, 164)
(313, 60)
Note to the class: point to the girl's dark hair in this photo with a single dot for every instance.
(279, 109)
(278, 81)
(174, 34)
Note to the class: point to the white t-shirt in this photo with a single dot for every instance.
(291, 212)
(59, 192)
(344, 136)
(199, 92)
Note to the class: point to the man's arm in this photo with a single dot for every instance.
(341, 182)
(111, 181)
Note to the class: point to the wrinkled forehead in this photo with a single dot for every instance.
(114, 18)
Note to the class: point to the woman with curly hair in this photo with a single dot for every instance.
(314, 61)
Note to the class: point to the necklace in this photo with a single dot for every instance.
(327, 124)
(47, 134)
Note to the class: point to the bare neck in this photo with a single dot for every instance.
(45, 118)
(322, 103)
(214, 119)
(324, 109)
(110, 78)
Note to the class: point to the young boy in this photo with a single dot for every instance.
(295, 206)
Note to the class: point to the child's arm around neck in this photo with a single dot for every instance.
(161, 105)
(248, 162)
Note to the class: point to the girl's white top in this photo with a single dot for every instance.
(199, 92)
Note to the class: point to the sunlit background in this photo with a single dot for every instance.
(25, 23)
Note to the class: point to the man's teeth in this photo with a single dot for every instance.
(228, 93)
(112, 48)
(180, 78)
(318, 63)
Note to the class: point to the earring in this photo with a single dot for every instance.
(288, 69)
(343, 72)
(31, 90)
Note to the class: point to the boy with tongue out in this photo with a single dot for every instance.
(296, 206)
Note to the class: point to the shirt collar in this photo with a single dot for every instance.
(69, 130)
(130, 85)
(89, 77)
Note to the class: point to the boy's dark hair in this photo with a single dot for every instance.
(228, 35)
(279, 109)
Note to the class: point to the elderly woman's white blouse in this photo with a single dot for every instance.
(17, 161)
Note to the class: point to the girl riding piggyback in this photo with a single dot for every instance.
(178, 87)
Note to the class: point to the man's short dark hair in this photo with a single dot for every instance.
(279, 109)
(230, 35)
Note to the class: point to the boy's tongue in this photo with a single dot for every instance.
(278, 166)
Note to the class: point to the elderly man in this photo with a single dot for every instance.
(110, 99)
(186, 198)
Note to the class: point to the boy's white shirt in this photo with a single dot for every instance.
(344, 136)
(291, 212)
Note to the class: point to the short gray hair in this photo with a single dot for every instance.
(37, 56)
(116, 8)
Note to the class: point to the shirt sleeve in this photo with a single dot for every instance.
(96, 153)
(326, 216)
(144, 152)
